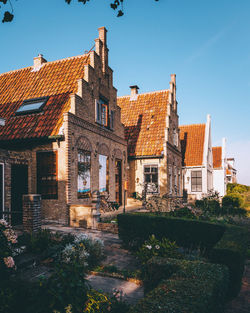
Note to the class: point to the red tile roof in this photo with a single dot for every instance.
(192, 139)
(57, 80)
(145, 122)
(217, 157)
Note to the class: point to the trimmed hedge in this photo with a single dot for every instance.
(194, 287)
(135, 228)
(231, 251)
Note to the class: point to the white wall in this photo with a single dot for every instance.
(219, 181)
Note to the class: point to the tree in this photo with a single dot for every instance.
(116, 5)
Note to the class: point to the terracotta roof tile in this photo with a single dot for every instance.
(145, 121)
(217, 157)
(192, 144)
(57, 80)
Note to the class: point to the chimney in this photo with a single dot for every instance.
(172, 94)
(101, 47)
(134, 92)
(38, 61)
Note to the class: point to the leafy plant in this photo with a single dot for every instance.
(232, 200)
(154, 247)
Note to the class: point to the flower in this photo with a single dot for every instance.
(149, 247)
(157, 247)
(9, 262)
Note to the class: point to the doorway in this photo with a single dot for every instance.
(1, 190)
(19, 187)
(118, 181)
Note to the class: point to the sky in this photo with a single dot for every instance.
(206, 43)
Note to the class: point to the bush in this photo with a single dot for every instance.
(232, 200)
(100, 302)
(194, 287)
(231, 251)
(212, 206)
(182, 212)
(135, 228)
(237, 188)
(154, 247)
(8, 239)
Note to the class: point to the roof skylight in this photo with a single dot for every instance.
(32, 106)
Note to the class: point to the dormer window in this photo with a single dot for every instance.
(32, 106)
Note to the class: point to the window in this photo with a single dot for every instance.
(84, 167)
(102, 112)
(151, 178)
(175, 137)
(170, 180)
(103, 173)
(47, 184)
(112, 119)
(196, 181)
(32, 106)
(175, 180)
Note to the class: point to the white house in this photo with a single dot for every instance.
(197, 159)
(220, 168)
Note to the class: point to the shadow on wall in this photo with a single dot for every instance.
(132, 134)
(183, 148)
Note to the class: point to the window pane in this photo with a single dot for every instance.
(147, 169)
(147, 178)
(31, 105)
(155, 178)
(84, 167)
(154, 169)
(103, 173)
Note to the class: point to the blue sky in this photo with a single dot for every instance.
(205, 42)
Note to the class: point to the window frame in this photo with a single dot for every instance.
(32, 101)
(39, 185)
(87, 194)
(151, 173)
(102, 105)
(194, 186)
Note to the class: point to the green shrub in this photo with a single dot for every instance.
(8, 240)
(232, 200)
(135, 228)
(154, 247)
(103, 303)
(194, 287)
(237, 188)
(183, 212)
(209, 205)
(231, 251)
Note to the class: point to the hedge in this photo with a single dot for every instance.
(194, 287)
(232, 200)
(231, 251)
(135, 228)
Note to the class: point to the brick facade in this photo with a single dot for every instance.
(76, 130)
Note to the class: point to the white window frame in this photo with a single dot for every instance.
(153, 165)
(101, 112)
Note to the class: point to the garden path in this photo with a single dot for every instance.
(116, 256)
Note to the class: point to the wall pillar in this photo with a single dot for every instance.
(31, 213)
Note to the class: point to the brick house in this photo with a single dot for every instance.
(197, 159)
(61, 135)
(152, 132)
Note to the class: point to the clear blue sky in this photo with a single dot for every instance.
(205, 42)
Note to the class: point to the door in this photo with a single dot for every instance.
(1, 190)
(19, 187)
(118, 181)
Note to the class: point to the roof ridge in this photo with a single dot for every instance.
(217, 147)
(199, 124)
(146, 93)
(44, 64)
